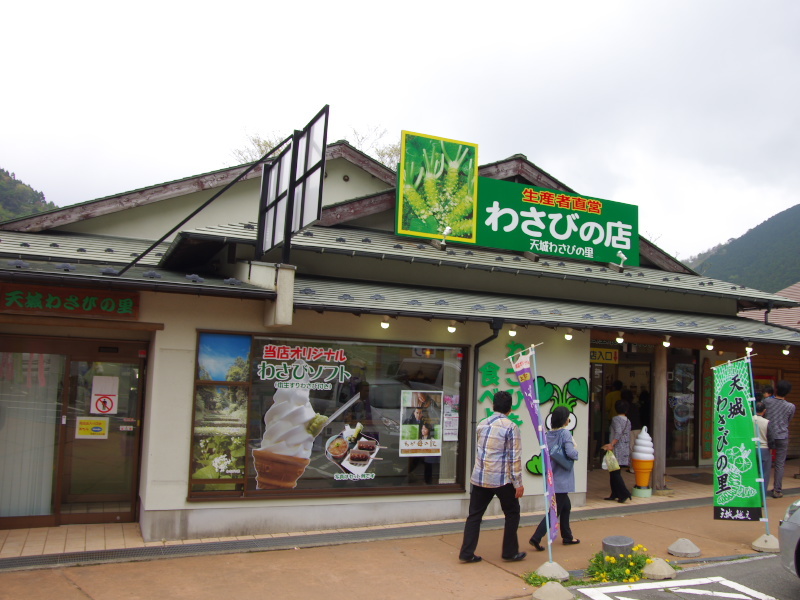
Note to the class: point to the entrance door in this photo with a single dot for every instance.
(101, 442)
(70, 413)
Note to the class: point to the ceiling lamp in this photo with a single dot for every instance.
(620, 337)
(513, 331)
(710, 344)
(749, 348)
(666, 341)
(786, 350)
(568, 335)
(385, 322)
(452, 327)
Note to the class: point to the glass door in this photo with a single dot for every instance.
(70, 419)
(101, 446)
(681, 409)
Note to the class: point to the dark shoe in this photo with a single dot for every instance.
(622, 500)
(570, 542)
(536, 544)
(517, 557)
(777, 494)
(474, 558)
(610, 498)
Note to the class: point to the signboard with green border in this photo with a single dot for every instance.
(440, 196)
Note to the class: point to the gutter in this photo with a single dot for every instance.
(496, 325)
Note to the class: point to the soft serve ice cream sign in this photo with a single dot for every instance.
(291, 423)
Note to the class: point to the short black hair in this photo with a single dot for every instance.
(617, 385)
(621, 406)
(502, 402)
(760, 407)
(783, 388)
(769, 390)
(560, 417)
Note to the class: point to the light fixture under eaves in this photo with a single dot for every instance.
(568, 335)
(666, 341)
(710, 344)
(620, 337)
(749, 348)
(786, 350)
(452, 327)
(513, 331)
(385, 323)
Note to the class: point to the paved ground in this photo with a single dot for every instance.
(402, 568)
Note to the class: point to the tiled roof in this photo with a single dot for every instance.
(90, 261)
(387, 246)
(788, 317)
(371, 298)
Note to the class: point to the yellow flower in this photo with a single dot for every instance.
(644, 549)
(631, 564)
(627, 571)
(629, 555)
(649, 560)
(622, 556)
(608, 558)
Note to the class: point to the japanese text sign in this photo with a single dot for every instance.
(515, 216)
(68, 302)
(737, 492)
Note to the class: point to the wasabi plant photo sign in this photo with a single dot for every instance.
(737, 491)
(437, 188)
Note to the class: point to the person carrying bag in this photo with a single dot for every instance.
(563, 455)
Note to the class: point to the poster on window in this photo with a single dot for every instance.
(421, 432)
(450, 419)
(737, 493)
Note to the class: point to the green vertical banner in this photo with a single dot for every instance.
(737, 491)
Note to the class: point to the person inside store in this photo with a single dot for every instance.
(563, 479)
(780, 412)
(497, 472)
(612, 397)
(619, 435)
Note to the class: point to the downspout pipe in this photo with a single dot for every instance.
(496, 325)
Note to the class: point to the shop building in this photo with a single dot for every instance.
(140, 391)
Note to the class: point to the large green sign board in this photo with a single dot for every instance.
(515, 216)
(440, 196)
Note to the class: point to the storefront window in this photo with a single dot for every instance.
(681, 390)
(323, 416)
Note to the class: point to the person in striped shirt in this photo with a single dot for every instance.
(780, 412)
(497, 472)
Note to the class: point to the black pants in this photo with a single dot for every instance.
(618, 487)
(563, 508)
(479, 500)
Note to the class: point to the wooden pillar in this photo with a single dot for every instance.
(659, 406)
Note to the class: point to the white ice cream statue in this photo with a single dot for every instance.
(643, 458)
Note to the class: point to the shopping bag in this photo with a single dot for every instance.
(610, 462)
(558, 456)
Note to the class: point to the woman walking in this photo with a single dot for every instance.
(563, 479)
(620, 445)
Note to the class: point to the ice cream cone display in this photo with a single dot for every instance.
(291, 425)
(642, 460)
(277, 471)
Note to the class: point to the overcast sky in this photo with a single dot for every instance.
(689, 109)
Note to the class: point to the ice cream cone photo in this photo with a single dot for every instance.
(277, 471)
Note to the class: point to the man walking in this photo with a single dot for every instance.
(497, 472)
(780, 412)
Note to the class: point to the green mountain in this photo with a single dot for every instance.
(766, 258)
(18, 199)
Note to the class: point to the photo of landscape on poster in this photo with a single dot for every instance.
(421, 429)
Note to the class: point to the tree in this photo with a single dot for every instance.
(256, 147)
(368, 141)
(18, 199)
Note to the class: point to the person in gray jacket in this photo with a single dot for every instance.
(563, 479)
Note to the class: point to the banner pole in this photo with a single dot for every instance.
(542, 443)
(757, 437)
